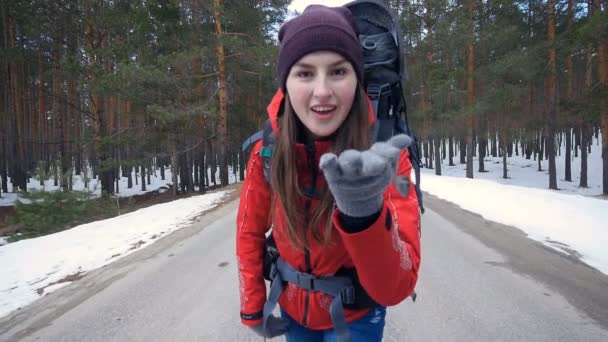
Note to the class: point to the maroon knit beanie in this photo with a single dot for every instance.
(319, 28)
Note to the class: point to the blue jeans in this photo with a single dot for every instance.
(368, 328)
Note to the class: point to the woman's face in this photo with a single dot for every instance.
(321, 88)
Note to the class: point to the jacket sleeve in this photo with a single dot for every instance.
(252, 224)
(386, 255)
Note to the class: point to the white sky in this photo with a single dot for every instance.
(300, 5)
(559, 219)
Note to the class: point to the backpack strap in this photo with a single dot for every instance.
(414, 149)
(268, 140)
(344, 287)
(340, 288)
(267, 136)
(251, 140)
(379, 95)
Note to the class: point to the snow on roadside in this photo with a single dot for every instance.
(35, 267)
(561, 221)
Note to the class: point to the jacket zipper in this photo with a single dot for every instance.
(310, 153)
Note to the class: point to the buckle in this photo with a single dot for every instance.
(374, 91)
(266, 152)
(348, 295)
(306, 281)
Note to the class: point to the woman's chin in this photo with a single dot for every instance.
(322, 133)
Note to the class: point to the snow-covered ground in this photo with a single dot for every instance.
(565, 220)
(571, 220)
(8, 199)
(31, 268)
(524, 172)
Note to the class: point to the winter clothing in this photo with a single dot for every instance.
(386, 254)
(358, 179)
(319, 28)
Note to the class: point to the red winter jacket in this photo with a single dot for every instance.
(386, 258)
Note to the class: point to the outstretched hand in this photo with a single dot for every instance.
(357, 179)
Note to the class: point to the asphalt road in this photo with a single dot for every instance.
(480, 281)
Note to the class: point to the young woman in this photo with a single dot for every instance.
(341, 208)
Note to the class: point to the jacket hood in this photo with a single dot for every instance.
(275, 106)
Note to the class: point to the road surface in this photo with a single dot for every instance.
(479, 281)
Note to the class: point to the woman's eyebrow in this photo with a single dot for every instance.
(310, 66)
(338, 62)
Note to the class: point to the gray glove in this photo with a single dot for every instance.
(358, 179)
(275, 327)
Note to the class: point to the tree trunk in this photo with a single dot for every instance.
(437, 157)
(118, 173)
(603, 80)
(182, 173)
(196, 165)
(3, 176)
(222, 134)
(15, 107)
(451, 151)
(94, 39)
(583, 124)
(541, 149)
(129, 177)
(4, 101)
(149, 171)
(429, 145)
(173, 151)
(470, 85)
(552, 94)
(41, 105)
(568, 175)
(142, 168)
(463, 150)
(203, 171)
(59, 114)
(241, 165)
(583, 179)
(162, 169)
(174, 161)
(189, 170)
(483, 141)
(505, 174)
(425, 153)
(3, 185)
(212, 163)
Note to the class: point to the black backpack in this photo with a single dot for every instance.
(385, 71)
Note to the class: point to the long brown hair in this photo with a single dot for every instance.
(354, 133)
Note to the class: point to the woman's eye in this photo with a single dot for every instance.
(304, 74)
(340, 72)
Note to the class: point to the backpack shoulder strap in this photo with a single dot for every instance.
(268, 140)
(251, 140)
(267, 136)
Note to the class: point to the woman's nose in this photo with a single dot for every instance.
(322, 88)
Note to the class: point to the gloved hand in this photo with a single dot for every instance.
(358, 179)
(275, 327)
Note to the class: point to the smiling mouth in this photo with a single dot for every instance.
(323, 110)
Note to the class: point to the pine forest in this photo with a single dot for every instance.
(121, 90)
